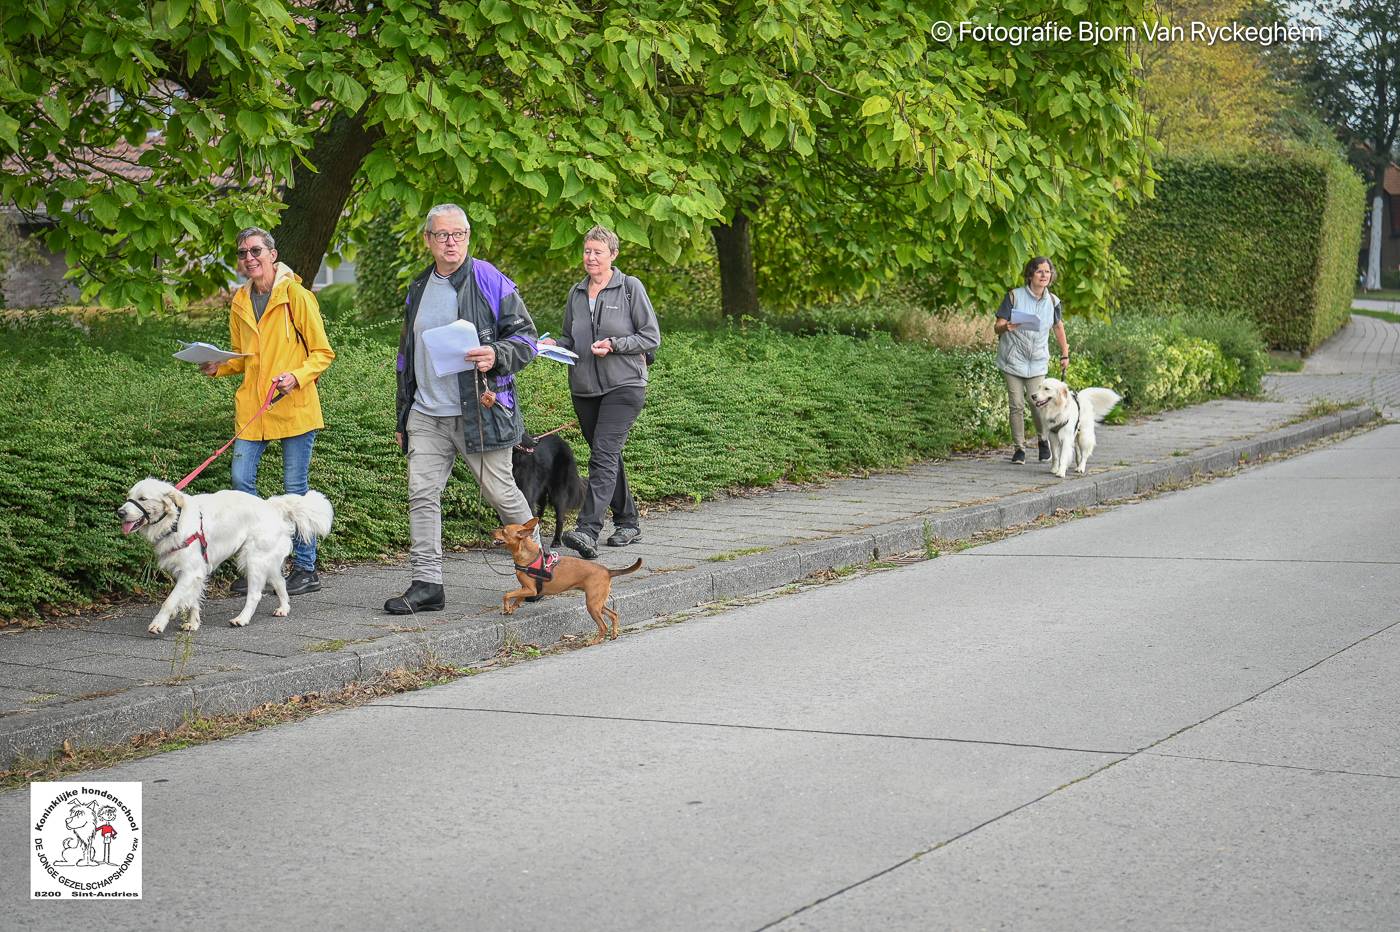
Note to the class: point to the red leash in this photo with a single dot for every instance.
(272, 395)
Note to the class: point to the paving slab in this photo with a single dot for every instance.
(473, 830)
(1153, 843)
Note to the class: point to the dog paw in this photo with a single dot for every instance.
(281, 611)
(156, 627)
(1058, 473)
(238, 622)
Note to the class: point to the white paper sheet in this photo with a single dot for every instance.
(1026, 321)
(447, 346)
(204, 352)
(559, 354)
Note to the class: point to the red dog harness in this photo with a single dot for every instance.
(540, 569)
(196, 536)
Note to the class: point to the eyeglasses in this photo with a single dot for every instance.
(253, 251)
(443, 236)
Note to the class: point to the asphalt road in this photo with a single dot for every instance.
(1178, 714)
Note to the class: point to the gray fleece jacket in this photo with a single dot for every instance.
(622, 313)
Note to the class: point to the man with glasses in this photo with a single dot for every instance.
(472, 414)
(277, 323)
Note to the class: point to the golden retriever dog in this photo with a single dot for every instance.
(193, 534)
(1068, 417)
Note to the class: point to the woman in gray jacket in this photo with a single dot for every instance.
(1023, 349)
(610, 323)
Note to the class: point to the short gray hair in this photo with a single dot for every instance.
(441, 209)
(268, 241)
(601, 234)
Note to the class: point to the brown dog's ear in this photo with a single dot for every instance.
(530, 525)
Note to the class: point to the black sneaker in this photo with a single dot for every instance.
(239, 586)
(1044, 447)
(301, 581)
(1019, 458)
(586, 546)
(623, 536)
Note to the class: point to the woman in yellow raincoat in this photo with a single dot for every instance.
(278, 324)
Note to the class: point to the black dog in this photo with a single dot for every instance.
(547, 473)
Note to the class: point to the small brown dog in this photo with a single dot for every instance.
(569, 573)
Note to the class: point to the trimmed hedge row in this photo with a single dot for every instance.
(87, 410)
(1273, 236)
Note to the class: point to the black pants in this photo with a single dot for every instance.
(605, 422)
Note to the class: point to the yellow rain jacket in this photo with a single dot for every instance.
(275, 348)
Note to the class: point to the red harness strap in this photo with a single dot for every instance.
(540, 569)
(198, 536)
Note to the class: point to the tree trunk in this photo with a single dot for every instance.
(1373, 257)
(315, 199)
(738, 286)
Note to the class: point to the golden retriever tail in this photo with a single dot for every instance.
(631, 569)
(310, 514)
(1100, 400)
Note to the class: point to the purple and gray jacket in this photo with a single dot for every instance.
(490, 301)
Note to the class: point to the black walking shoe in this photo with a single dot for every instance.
(1019, 458)
(301, 581)
(420, 597)
(586, 546)
(239, 586)
(1044, 447)
(623, 536)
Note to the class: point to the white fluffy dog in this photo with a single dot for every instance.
(193, 534)
(1069, 418)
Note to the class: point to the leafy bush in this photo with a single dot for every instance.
(1270, 236)
(337, 303)
(91, 404)
(1163, 362)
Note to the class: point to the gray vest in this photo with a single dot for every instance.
(1022, 352)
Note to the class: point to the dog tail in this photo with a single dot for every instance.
(309, 515)
(1100, 400)
(631, 569)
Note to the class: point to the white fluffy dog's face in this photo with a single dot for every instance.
(1052, 392)
(149, 502)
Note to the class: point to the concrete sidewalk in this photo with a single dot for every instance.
(96, 680)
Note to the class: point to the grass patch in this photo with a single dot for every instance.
(1378, 315)
(1285, 362)
(736, 554)
(1384, 294)
(334, 644)
(1321, 407)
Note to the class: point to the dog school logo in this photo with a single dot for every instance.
(86, 841)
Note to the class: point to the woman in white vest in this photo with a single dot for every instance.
(1023, 348)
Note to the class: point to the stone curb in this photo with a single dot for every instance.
(113, 719)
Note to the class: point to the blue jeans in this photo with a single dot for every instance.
(296, 469)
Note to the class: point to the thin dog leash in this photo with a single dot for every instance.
(273, 395)
(481, 452)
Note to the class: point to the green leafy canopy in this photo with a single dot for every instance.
(859, 145)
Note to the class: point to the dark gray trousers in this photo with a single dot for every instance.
(605, 422)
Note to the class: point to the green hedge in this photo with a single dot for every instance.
(1271, 236)
(89, 408)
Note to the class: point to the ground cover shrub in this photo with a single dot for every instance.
(90, 405)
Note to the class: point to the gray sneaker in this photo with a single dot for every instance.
(623, 536)
(586, 546)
